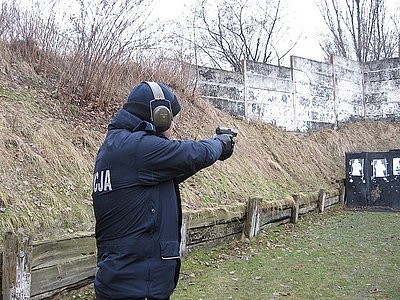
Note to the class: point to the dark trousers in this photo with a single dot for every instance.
(102, 298)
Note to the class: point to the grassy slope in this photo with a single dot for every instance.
(47, 151)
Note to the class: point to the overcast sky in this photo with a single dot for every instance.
(305, 15)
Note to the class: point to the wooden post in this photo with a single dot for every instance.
(1, 275)
(295, 210)
(321, 200)
(252, 223)
(184, 227)
(16, 283)
(342, 191)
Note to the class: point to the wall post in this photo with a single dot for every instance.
(245, 87)
(252, 222)
(295, 210)
(321, 200)
(16, 281)
(334, 92)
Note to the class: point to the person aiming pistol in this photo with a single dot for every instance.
(136, 197)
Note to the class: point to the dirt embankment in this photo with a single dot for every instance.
(47, 151)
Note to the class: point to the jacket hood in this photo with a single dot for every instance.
(125, 120)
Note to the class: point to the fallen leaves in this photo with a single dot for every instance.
(279, 294)
(375, 291)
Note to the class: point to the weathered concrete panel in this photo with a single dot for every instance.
(223, 77)
(235, 108)
(349, 89)
(384, 64)
(269, 94)
(257, 81)
(308, 95)
(268, 70)
(382, 89)
(224, 89)
(271, 107)
(313, 95)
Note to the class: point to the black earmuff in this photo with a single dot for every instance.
(160, 108)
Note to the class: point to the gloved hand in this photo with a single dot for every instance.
(227, 145)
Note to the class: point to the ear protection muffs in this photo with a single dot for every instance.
(160, 108)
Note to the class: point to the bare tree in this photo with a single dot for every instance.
(83, 44)
(396, 22)
(238, 30)
(104, 33)
(359, 29)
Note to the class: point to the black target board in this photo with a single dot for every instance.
(373, 179)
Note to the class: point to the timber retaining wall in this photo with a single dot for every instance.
(41, 269)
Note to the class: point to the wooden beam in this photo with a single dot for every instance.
(252, 222)
(16, 278)
(62, 264)
(321, 200)
(295, 210)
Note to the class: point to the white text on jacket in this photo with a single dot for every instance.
(102, 181)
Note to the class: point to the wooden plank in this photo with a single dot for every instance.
(331, 201)
(342, 191)
(204, 234)
(276, 223)
(308, 208)
(75, 286)
(62, 264)
(54, 252)
(210, 217)
(275, 216)
(58, 276)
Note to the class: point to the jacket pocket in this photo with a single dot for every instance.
(169, 249)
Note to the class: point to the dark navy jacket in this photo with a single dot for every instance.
(137, 207)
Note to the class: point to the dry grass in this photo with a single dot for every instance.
(46, 169)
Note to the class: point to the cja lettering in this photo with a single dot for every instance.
(102, 181)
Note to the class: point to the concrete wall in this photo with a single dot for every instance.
(309, 94)
(269, 94)
(382, 89)
(348, 89)
(224, 89)
(314, 101)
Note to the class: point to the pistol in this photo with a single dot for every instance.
(224, 130)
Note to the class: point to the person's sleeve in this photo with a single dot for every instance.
(161, 159)
(182, 177)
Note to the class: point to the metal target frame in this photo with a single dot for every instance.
(373, 179)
